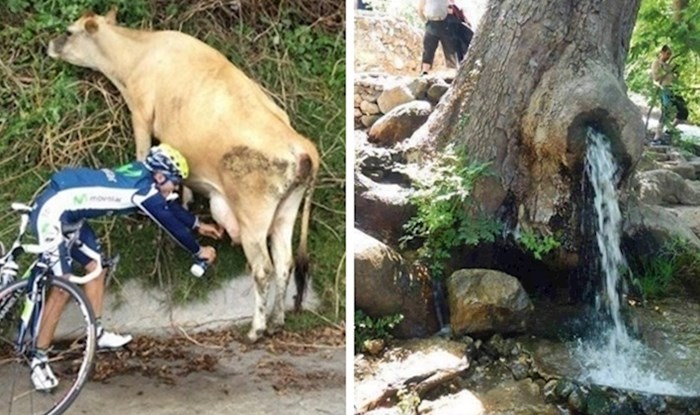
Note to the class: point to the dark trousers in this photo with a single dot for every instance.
(436, 31)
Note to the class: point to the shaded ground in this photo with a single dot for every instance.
(214, 373)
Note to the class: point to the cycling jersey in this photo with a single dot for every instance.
(75, 194)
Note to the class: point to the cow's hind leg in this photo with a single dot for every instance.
(282, 258)
(255, 219)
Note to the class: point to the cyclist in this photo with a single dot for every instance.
(77, 194)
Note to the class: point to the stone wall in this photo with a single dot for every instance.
(388, 44)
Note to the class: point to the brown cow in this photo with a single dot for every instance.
(242, 151)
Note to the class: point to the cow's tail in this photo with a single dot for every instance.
(301, 266)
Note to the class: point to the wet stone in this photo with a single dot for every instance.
(519, 369)
(653, 404)
(549, 391)
(496, 346)
(577, 400)
(564, 389)
(597, 403)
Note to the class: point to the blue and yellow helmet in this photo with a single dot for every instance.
(167, 159)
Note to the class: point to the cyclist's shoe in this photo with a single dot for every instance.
(42, 376)
(108, 340)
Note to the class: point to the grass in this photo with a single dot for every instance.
(55, 115)
(672, 270)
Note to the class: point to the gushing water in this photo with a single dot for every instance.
(614, 358)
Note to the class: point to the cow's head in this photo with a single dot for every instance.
(79, 45)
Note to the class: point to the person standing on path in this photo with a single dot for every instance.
(434, 14)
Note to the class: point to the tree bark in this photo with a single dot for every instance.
(538, 74)
(678, 8)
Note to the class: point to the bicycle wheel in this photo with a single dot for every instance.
(71, 355)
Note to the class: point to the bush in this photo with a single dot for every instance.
(446, 218)
(368, 328)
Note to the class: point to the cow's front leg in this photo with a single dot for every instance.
(143, 129)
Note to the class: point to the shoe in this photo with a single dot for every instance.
(42, 376)
(108, 340)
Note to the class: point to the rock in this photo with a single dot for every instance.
(409, 362)
(437, 90)
(357, 99)
(495, 346)
(685, 170)
(368, 120)
(689, 215)
(399, 123)
(597, 402)
(418, 87)
(374, 346)
(519, 368)
(394, 96)
(385, 285)
(549, 391)
(658, 223)
(516, 397)
(463, 402)
(695, 162)
(487, 301)
(564, 389)
(381, 210)
(657, 187)
(577, 400)
(369, 108)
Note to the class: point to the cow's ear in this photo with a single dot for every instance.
(91, 26)
(111, 16)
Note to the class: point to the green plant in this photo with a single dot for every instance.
(537, 243)
(676, 264)
(368, 328)
(408, 401)
(446, 217)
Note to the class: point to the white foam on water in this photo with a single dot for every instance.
(613, 358)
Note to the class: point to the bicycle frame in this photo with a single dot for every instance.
(38, 273)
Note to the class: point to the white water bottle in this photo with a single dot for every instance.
(199, 268)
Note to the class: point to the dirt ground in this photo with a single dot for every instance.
(215, 373)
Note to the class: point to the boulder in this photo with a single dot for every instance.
(484, 301)
(659, 223)
(381, 209)
(463, 402)
(664, 187)
(393, 96)
(437, 90)
(386, 285)
(399, 123)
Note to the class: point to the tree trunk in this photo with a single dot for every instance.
(678, 8)
(538, 74)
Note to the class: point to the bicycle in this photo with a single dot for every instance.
(21, 306)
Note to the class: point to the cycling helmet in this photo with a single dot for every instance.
(166, 159)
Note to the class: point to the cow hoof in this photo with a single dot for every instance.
(254, 336)
(274, 329)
